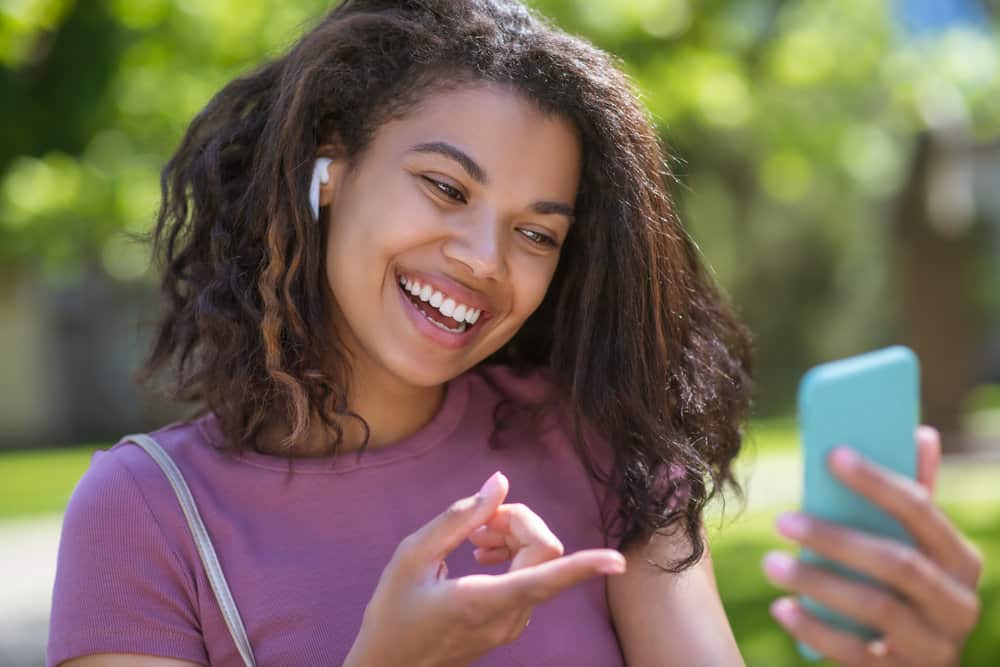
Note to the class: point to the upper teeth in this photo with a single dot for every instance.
(443, 303)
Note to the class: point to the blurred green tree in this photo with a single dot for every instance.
(793, 127)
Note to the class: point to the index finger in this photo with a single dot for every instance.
(911, 504)
(533, 585)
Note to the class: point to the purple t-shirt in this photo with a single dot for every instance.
(303, 552)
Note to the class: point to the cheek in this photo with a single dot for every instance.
(531, 282)
(386, 223)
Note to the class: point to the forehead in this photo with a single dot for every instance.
(517, 145)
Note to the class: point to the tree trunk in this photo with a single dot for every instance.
(932, 248)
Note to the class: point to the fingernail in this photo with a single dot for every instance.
(491, 486)
(783, 609)
(926, 431)
(792, 524)
(844, 458)
(778, 565)
(616, 566)
(613, 568)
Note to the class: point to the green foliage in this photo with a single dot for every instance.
(791, 124)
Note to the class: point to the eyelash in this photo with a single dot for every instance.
(539, 238)
(455, 195)
(448, 191)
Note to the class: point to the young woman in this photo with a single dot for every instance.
(431, 243)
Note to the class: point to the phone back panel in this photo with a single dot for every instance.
(870, 402)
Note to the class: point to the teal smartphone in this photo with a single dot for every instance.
(870, 402)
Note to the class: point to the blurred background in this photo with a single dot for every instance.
(838, 164)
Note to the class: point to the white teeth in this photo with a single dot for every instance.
(459, 329)
(465, 315)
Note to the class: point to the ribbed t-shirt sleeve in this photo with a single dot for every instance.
(120, 586)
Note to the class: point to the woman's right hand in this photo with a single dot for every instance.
(417, 616)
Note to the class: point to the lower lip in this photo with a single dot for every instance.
(452, 341)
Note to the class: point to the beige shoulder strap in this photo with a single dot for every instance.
(205, 549)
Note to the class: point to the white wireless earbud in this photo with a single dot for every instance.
(320, 175)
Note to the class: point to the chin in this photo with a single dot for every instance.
(425, 372)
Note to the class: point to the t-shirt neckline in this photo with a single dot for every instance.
(433, 433)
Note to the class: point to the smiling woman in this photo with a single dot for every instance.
(430, 242)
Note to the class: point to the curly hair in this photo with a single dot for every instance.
(656, 364)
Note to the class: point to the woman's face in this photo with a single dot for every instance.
(467, 200)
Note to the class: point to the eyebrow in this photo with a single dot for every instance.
(477, 173)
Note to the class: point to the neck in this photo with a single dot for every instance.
(392, 409)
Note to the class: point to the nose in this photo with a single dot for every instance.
(478, 243)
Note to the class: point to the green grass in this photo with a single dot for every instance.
(983, 397)
(41, 482)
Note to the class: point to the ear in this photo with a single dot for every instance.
(334, 172)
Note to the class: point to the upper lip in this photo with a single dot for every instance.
(451, 288)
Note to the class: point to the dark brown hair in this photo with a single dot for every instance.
(632, 332)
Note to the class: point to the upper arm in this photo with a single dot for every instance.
(670, 619)
(126, 660)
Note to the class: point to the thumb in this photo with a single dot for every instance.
(928, 456)
(445, 532)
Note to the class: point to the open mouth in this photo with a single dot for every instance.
(439, 309)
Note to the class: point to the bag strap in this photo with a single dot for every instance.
(202, 541)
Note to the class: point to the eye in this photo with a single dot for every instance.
(448, 191)
(539, 239)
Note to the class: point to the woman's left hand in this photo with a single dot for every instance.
(931, 604)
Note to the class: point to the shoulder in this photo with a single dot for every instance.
(123, 561)
(121, 479)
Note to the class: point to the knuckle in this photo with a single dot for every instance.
(406, 546)
(468, 612)
(920, 501)
(908, 564)
(535, 594)
(457, 508)
(973, 610)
